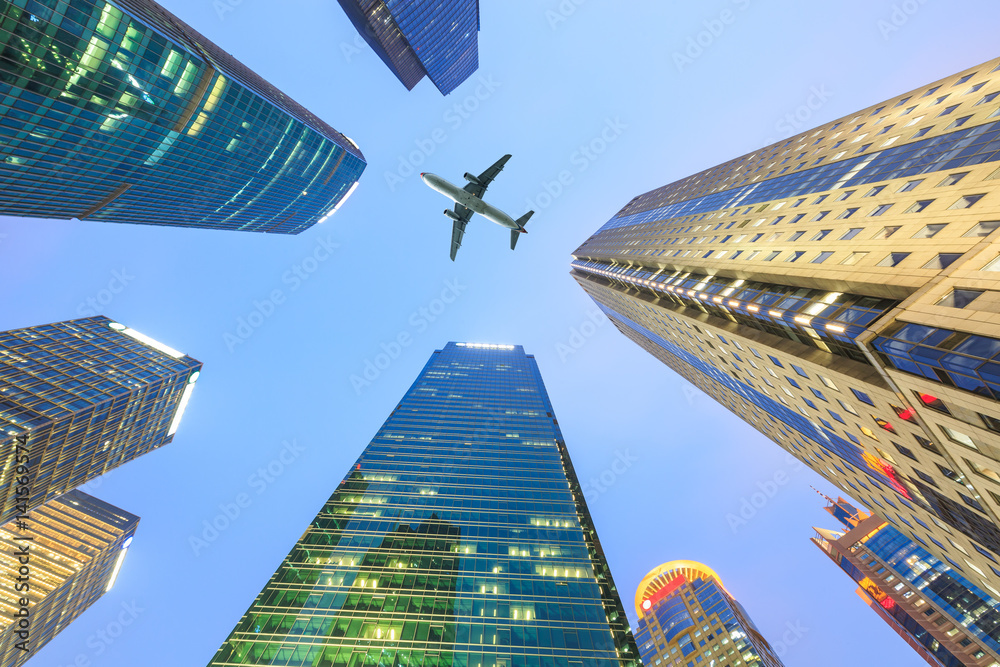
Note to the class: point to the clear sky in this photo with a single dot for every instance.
(554, 77)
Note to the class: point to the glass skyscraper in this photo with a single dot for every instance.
(121, 112)
(942, 615)
(79, 398)
(416, 38)
(839, 291)
(75, 549)
(459, 538)
(687, 618)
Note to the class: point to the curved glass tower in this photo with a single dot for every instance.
(123, 113)
(687, 617)
(459, 538)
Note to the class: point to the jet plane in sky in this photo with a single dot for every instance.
(468, 200)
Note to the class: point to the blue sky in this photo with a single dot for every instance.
(612, 103)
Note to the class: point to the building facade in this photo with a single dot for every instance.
(688, 618)
(943, 616)
(839, 291)
(121, 112)
(417, 38)
(75, 547)
(79, 398)
(459, 538)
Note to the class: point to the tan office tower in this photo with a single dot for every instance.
(840, 291)
(57, 562)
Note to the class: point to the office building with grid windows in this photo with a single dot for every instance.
(76, 549)
(839, 291)
(438, 39)
(945, 618)
(121, 112)
(80, 398)
(687, 618)
(459, 538)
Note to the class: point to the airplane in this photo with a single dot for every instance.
(468, 200)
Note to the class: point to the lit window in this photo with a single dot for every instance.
(968, 201)
(943, 260)
(983, 228)
(953, 179)
(919, 206)
(893, 259)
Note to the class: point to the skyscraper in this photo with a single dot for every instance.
(416, 38)
(76, 545)
(123, 113)
(459, 538)
(838, 290)
(943, 616)
(688, 618)
(79, 398)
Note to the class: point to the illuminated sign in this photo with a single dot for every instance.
(874, 591)
(672, 586)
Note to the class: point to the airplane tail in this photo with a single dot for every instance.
(521, 222)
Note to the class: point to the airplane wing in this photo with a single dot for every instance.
(458, 228)
(485, 178)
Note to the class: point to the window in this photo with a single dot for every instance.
(893, 258)
(960, 298)
(846, 214)
(796, 236)
(986, 100)
(800, 371)
(929, 231)
(948, 110)
(836, 416)
(960, 438)
(919, 206)
(985, 472)
(931, 91)
(879, 210)
(874, 191)
(822, 257)
(795, 255)
(856, 257)
(885, 233)
(828, 382)
(968, 201)
(772, 255)
(775, 361)
(846, 195)
(796, 218)
(905, 451)
(920, 133)
(821, 234)
(862, 396)
(983, 228)
(958, 122)
(911, 185)
(820, 216)
(852, 232)
(952, 179)
(943, 260)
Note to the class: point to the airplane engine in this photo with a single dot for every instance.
(451, 214)
(472, 179)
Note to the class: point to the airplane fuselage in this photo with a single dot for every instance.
(468, 200)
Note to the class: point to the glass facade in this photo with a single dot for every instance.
(77, 546)
(687, 618)
(839, 292)
(946, 617)
(123, 113)
(460, 538)
(436, 38)
(79, 398)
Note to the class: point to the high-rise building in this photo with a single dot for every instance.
(416, 38)
(123, 113)
(57, 562)
(459, 538)
(79, 398)
(688, 618)
(839, 291)
(943, 616)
